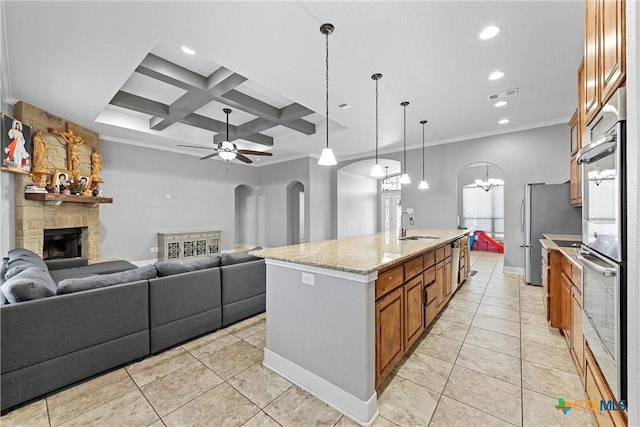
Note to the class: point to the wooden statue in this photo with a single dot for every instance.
(96, 167)
(73, 142)
(40, 152)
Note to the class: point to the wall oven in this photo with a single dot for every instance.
(603, 251)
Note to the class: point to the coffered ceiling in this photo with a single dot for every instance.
(118, 68)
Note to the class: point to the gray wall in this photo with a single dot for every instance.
(357, 205)
(319, 201)
(7, 228)
(271, 191)
(156, 191)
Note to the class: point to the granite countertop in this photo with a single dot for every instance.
(569, 252)
(361, 254)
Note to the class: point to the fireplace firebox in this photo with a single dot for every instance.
(62, 243)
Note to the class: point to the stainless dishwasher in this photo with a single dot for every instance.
(455, 264)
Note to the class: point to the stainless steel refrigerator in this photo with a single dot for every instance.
(546, 208)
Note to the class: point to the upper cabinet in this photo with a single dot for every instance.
(604, 50)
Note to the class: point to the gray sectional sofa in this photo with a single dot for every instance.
(109, 314)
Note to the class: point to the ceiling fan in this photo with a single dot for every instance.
(228, 150)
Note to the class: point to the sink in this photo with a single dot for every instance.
(567, 243)
(420, 238)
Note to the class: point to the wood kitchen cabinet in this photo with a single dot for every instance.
(556, 293)
(409, 296)
(389, 332)
(597, 389)
(413, 310)
(576, 182)
(604, 53)
(577, 337)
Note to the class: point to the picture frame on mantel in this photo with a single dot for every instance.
(61, 177)
(16, 145)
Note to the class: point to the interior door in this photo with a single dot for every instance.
(390, 211)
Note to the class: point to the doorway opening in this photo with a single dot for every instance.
(481, 206)
(245, 217)
(295, 213)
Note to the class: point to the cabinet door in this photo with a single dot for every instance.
(581, 88)
(561, 306)
(440, 279)
(448, 278)
(573, 133)
(577, 338)
(389, 333)
(592, 82)
(413, 310)
(576, 182)
(612, 47)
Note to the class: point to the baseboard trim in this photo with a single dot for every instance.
(362, 412)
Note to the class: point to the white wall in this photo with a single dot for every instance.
(357, 205)
(157, 191)
(535, 155)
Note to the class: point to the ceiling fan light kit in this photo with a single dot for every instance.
(327, 158)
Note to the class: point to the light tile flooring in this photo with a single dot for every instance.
(489, 360)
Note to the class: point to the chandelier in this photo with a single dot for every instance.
(488, 183)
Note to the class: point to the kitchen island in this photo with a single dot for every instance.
(341, 313)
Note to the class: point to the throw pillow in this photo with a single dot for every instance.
(236, 258)
(30, 284)
(18, 266)
(21, 256)
(169, 268)
(19, 252)
(3, 269)
(68, 286)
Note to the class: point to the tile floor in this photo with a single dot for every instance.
(489, 360)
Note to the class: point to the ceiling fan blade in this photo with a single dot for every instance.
(208, 156)
(243, 158)
(256, 153)
(196, 146)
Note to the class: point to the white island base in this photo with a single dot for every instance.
(321, 334)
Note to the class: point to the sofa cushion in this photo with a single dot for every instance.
(107, 267)
(100, 281)
(236, 258)
(32, 283)
(62, 263)
(18, 266)
(169, 268)
(3, 269)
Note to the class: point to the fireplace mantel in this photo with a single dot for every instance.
(51, 199)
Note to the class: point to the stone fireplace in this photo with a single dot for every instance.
(62, 243)
(33, 217)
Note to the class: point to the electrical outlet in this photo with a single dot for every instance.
(307, 279)
(152, 250)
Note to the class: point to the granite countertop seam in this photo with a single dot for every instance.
(361, 254)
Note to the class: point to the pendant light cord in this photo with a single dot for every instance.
(405, 140)
(376, 121)
(423, 151)
(327, 79)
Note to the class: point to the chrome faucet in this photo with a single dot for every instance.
(403, 231)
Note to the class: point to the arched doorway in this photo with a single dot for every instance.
(245, 217)
(480, 199)
(295, 213)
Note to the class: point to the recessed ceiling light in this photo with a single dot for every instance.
(490, 32)
(188, 51)
(500, 104)
(503, 122)
(496, 75)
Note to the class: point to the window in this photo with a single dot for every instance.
(484, 210)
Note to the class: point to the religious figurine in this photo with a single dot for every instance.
(96, 166)
(40, 152)
(73, 142)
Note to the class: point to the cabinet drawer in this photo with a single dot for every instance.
(430, 275)
(413, 267)
(565, 266)
(430, 312)
(576, 277)
(389, 280)
(440, 254)
(447, 250)
(429, 259)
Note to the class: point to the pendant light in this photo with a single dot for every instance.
(376, 171)
(327, 158)
(423, 184)
(404, 179)
(386, 182)
(226, 149)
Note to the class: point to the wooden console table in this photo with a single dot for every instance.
(51, 199)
